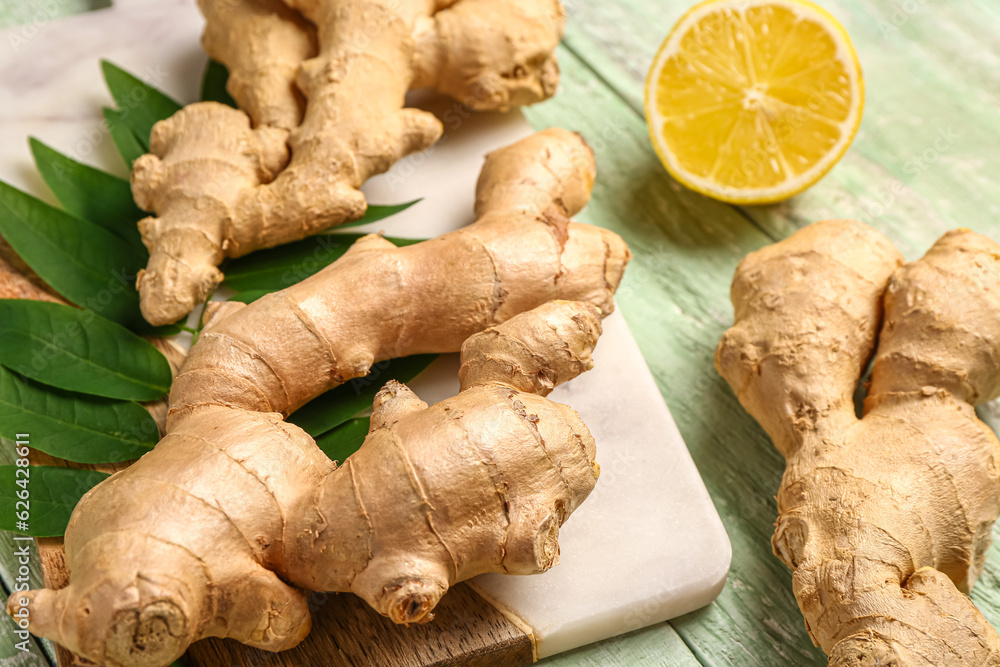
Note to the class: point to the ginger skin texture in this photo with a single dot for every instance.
(215, 531)
(429, 297)
(262, 43)
(221, 186)
(885, 520)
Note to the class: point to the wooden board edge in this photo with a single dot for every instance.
(467, 630)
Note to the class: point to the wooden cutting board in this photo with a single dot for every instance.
(646, 546)
(466, 630)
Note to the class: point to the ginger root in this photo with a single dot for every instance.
(211, 532)
(369, 53)
(436, 495)
(885, 520)
(262, 43)
(427, 297)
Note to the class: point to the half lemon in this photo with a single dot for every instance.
(753, 101)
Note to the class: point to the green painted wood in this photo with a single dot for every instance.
(10, 654)
(657, 646)
(40, 649)
(40, 652)
(921, 164)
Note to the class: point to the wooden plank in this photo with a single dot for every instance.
(38, 653)
(8, 578)
(917, 167)
(656, 646)
(346, 632)
(11, 655)
(55, 575)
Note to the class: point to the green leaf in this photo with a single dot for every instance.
(375, 213)
(89, 193)
(344, 440)
(84, 429)
(130, 147)
(250, 296)
(75, 350)
(144, 328)
(82, 261)
(141, 106)
(48, 495)
(336, 406)
(278, 268)
(213, 84)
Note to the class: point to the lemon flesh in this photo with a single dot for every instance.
(753, 102)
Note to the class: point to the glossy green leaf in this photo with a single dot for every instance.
(75, 350)
(144, 328)
(82, 261)
(84, 429)
(89, 193)
(213, 84)
(129, 146)
(344, 440)
(140, 105)
(278, 268)
(249, 296)
(375, 213)
(44, 495)
(336, 406)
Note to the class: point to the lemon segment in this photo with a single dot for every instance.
(753, 101)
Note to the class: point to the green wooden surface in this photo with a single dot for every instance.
(924, 162)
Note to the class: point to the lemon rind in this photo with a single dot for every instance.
(792, 186)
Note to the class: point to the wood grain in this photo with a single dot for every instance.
(466, 630)
(655, 646)
(55, 574)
